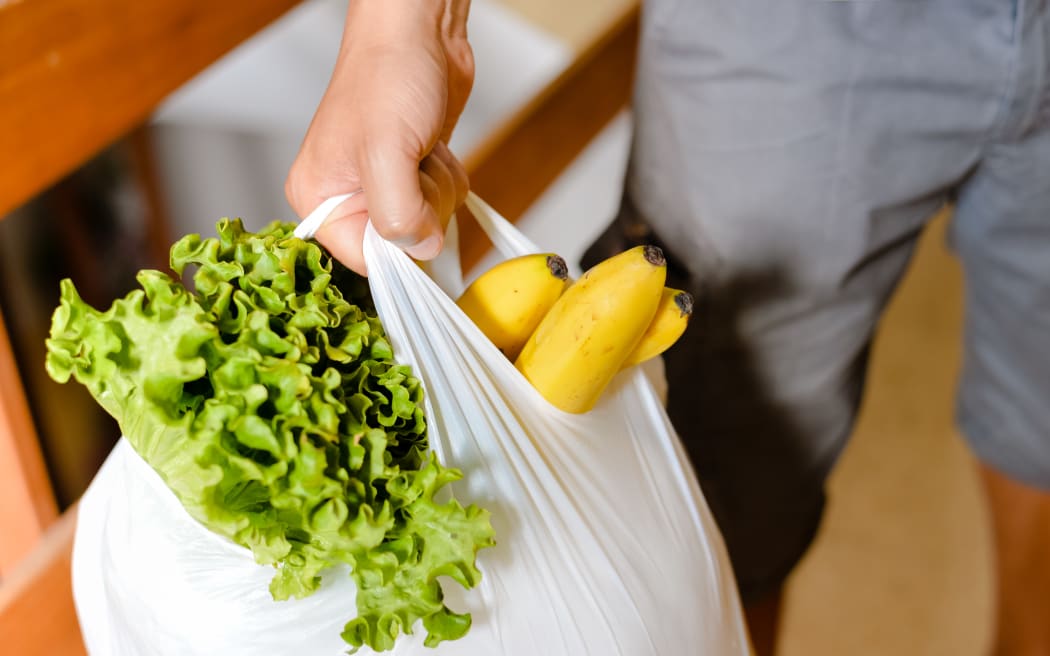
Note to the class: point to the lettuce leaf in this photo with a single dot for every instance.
(269, 402)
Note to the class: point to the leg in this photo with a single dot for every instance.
(763, 623)
(1021, 530)
(790, 191)
(1001, 231)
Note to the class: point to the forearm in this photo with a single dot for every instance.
(393, 20)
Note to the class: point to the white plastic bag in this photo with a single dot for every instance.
(604, 543)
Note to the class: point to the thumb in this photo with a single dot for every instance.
(397, 205)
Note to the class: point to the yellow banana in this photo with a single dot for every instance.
(582, 342)
(672, 316)
(508, 301)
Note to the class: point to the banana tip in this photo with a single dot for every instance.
(654, 255)
(684, 301)
(557, 267)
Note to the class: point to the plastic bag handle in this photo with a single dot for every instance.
(501, 232)
(505, 238)
(315, 219)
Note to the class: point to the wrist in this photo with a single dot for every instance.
(387, 20)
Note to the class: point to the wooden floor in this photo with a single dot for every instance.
(901, 566)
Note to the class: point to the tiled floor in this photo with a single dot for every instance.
(901, 566)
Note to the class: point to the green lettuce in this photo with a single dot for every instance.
(269, 402)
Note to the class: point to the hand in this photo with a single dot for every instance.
(403, 75)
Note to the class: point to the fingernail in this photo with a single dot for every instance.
(426, 249)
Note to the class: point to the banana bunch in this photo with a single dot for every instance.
(569, 339)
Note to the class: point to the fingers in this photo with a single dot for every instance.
(440, 190)
(434, 179)
(412, 210)
(399, 210)
(459, 58)
(343, 236)
(409, 203)
(455, 20)
(460, 181)
(445, 183)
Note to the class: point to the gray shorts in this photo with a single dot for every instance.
(787, 153)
